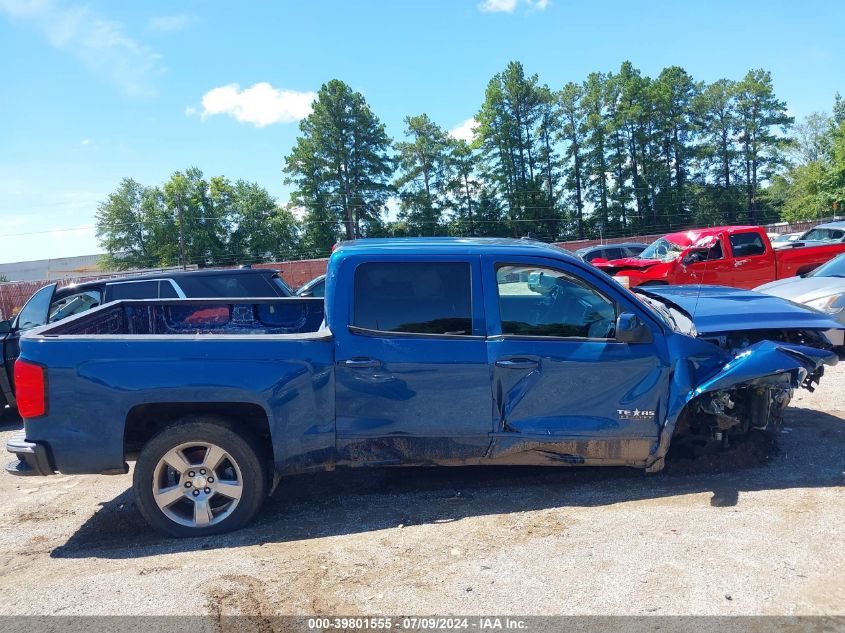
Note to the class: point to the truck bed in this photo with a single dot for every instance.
(108, 364)
(192, 317)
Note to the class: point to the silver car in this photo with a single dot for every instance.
(822, 289)
(830, 233)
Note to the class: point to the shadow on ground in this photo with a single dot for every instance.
(809, 453)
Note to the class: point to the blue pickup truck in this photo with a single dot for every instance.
(425, 352)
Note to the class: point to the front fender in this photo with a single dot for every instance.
(767, 363)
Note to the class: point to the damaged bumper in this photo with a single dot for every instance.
(751, 391)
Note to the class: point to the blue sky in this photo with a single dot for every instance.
(95, 91)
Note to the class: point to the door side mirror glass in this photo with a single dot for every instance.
(631, 329)
(5, 327)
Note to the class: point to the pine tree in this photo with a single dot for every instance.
(340, 166)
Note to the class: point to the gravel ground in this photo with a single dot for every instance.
(757, 530)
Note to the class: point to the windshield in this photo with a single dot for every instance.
(834, 268)
(824, 235)
(661, 249)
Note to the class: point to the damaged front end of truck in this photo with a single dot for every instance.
(765, 354)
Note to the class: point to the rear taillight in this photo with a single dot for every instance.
(30, 389)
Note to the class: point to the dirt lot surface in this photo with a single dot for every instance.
(757, 530)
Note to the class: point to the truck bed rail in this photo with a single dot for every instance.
(291, 315)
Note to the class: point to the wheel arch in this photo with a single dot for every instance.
(146, 420)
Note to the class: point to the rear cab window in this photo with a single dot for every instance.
(432, 298)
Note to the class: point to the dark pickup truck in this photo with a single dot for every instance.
(53, 303)
(425, 352)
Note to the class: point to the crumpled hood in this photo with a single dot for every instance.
(716, 309)
(802, 290)
(628, 262)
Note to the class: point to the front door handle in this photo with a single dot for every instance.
(361, 363)
(517, 363)
(740, 262)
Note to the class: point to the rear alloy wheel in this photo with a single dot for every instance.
(198, 478)
(197, 484)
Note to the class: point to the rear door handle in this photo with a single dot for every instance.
(361, 363)
(518, 363)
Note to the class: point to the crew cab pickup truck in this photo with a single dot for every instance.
(738, 256)
(425, 352)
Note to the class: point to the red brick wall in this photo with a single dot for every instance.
(297, 273)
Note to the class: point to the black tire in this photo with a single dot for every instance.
(242, 457)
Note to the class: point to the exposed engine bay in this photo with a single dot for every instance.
(757, 405)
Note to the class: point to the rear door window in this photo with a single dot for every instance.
(166, 290)
(132, 290)
(747, 244)
(225, 285)
(411, 297)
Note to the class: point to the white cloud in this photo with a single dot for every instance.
(99, 43)
(509, 6)
(261, 104)
(464, 131)
(169, 23)
(85, 141)
(498, 6)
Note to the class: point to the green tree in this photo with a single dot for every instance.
(716, 111)
(340, 166)
(424, 175)
(674, 92)
(512, 124)
(463, 186)
(813, 137)
(801, 193)
(595, 146)
(199, 209)
(572, 131)
(760, 115)
(129, 224)
(260, 230)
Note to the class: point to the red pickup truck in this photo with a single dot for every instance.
(738, 256)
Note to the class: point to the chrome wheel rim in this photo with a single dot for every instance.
(197, 484)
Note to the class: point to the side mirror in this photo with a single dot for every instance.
(630, 329)
(5, 327)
